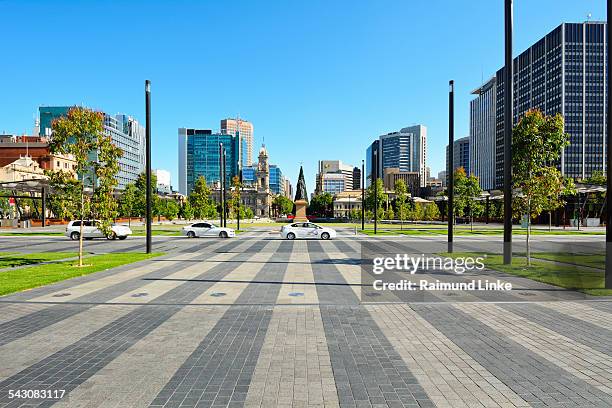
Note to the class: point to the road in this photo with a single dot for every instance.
(260, 322)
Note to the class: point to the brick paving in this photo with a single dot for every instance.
(259, 322)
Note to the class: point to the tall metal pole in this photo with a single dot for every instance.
(608, 279)
(44, 207)
(239, 187)
(362, 195)
(148, 160)
(451, 166)
(376, 193)
(221, 184)
(508, 104)
(224, 193)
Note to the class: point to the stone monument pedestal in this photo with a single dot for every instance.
(300, 211)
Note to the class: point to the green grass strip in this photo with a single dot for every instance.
(35, 276)
(14, 260)
(577, 278)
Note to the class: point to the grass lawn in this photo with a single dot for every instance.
(14, 259)
(35, 276)
(590, 260)
(385, 230)
(576, 278)
(25, 234)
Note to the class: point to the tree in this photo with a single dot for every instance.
(400, 201)
(65, 198)
(234, 202)
(390, 214)
(127, 202)
(203, 206)
(283, 204)
(321, 205)
(467, 190)
(537, 141)
(382, 197)
(170, 209)
(431, 212)
(80, 134)
(140, 202)
(186, 211)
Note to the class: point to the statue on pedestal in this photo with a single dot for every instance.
(301, 198)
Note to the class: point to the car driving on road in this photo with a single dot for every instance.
(206, 229)
(307, 230)
(91, 230)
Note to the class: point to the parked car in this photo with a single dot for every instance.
(307, 230)
(91, 230)
(205, 229)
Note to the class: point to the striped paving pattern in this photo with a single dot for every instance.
(259, 322)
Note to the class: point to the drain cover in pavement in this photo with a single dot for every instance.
(451, 294)
(296, 294)
(141, 294)
(527, 294)
(373, 294)
(62, 294)
(217, 294)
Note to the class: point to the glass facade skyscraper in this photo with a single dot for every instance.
(564, 72)
(482, 134)
(276, 179)
(199, 156)
(125, 132)
(461, 154)
(405, 150)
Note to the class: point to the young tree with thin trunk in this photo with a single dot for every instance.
(400, 201)
(537, 141)
(80, 134)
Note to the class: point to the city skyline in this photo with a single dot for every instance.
(269, 99)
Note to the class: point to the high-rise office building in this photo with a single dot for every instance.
(339, 170)
(356, 178)
(198, 155)
(564, 72)
(276, 180)
(482, 134)
(461, 154)
(405, 150)
(372, 162)
(125, 132)
(245, 129)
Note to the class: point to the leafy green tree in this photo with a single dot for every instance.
(202, 204)
(170, 209)
(80, 133)
(140, 203)
(127, 201)
(401, 197)
(64, 199)
(248, 213)
(234, 202)
(186, 211)
(370, 199)
(431, 212)
(537, 141)
(467, 190)
(283, 204)
(390, 214)
(321, 205)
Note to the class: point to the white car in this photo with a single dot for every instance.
(307, 230)
(91, 230)
(205, 229)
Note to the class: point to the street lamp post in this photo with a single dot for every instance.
(608, 279)
(148, 161)
(362, 196)
(508, 104)
(451, 166)
(221, 199)
(224, 184)
(376, 193)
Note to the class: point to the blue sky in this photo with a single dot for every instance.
(318, 79)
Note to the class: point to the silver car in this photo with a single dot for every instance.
(206, 229)
(306, 230)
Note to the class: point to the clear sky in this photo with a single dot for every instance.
(318, 79)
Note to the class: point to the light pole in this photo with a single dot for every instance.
(362, 195)
(451, 166)
(224, 184)
(221, 200)
(148, 161)
(608, 279)
(376, 193)
(508, 104)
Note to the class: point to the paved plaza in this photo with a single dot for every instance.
(256, 321)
